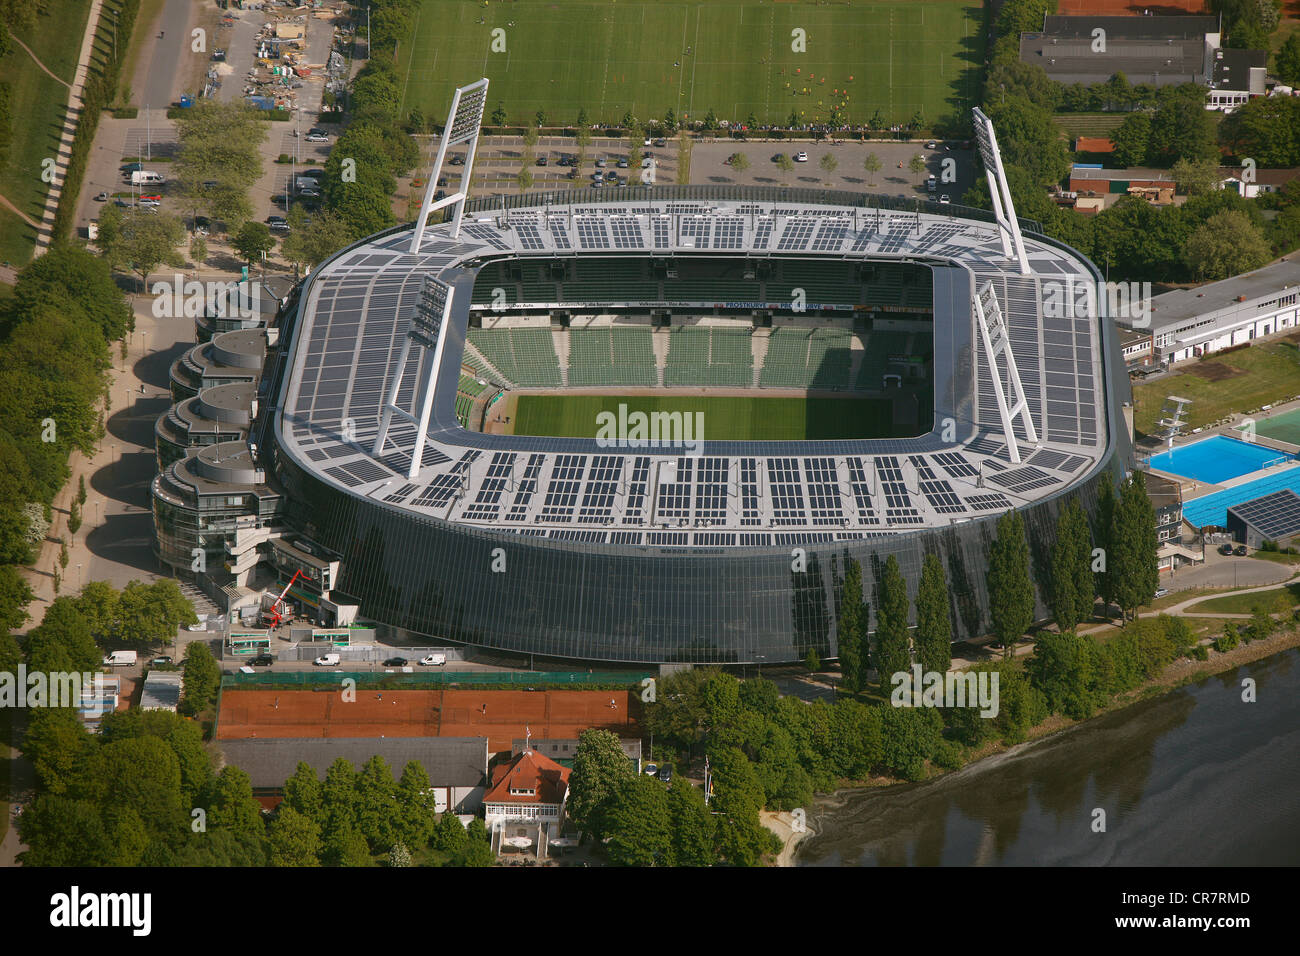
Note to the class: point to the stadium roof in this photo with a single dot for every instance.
(449, 761)
(357, 311)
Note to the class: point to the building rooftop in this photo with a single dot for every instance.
(449, 761)
(1185, 27)
(529, 778)
(1274, 516)
(1173, 309)
(162, 690)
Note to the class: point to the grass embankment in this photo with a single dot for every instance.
(1221, 385)
(1275, 601)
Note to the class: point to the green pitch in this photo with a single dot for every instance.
(726, 418)
(612, 56)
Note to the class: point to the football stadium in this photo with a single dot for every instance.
(656, 427)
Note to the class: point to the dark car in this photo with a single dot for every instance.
(661, 143)
(541, 160)
(161, 660)
(666, 774)
(1225, 549)
(130, 168)
(395, 662)
(458, 160)
(262, 660)
(1240, 551)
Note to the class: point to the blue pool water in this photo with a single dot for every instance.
(1213, 509)
(1215, 460)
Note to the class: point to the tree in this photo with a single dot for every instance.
(1010, 589)
(15, 595)
(1104, 535)
(739, 162)
(1063, 668)
(1226, 244)
(691, 825)
(147, 241)
(916, 164)
(530, 136)
(1134, 548)
(872, 165)
(202, 678)
(524, 179)
(786, 165)
(449, 834)
(69, 275)
(376, 804)
(933, 617)
(499, 115)
(302, 791)
(253, 241)
(314, 243)
(198, 250)
(1196, 177)
(1287, 65)
(149, 614)
(638, 823)
(294, 839)
(893, 651)
(582, 116)
(541, 118)
(233, 806)
(1132, 139)
(415, 814)
(599, 767)
(1182, 128)
(670, 121)
(1073, 596)
(828, 163)
(851, 628)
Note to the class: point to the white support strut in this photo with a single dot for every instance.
(993, 331)
(463, 122)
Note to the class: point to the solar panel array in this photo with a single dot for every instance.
(1276, 516)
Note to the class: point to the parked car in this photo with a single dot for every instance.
(130, 168)
(944, 200)
(666, 774)
(932, 145)
(1225, 549)
(801, 157)
(154, 198)
(201, 626)
(317, 138)
(541, 160)
(157, 661)
(622, 163)
(1161, 592)
(458, 160)
(395, 662)
(660, 143)
(274, 221)
(598, 177)
(602, 163)
(611, 176)
(1240, 551)
(262, 660)
(650, 769)
(308, 192)
(433, 660)
(101, 197)
(327, 660)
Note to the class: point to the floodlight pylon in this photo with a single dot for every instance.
(463, 124)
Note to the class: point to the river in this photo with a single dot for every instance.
(1194, 778)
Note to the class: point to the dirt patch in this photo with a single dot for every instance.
(1214, 371)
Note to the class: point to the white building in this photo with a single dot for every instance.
(1188, 323)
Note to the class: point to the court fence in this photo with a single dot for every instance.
(430, 680)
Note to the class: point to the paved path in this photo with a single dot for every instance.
(45, 232)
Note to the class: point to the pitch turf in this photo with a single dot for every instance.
(726, 418)
(617, 55)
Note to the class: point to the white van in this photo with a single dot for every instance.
(120, 659)
(143, 177)
(327, 660)
(433, 660)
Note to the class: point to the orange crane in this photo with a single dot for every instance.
(279, 612)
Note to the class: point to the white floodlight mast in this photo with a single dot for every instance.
(1013, 244)
(993, 331)
(463, 123)
(431, 316)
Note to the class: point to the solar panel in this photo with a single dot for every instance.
(711, 489)
(1023, 479)
(592, 234)
(439, 491)
(823, 491)
(937, 491)
(627, 232)
(988, 502)
(729, 233)
(662, 234)
(751, 503)
(487, 505)
(602, 485)
(695, 231)
(527, 487)
(786, 491)
(861, 489)
(763, 233)
(796, 235)
(487, 233)
(562, 494)
(530, 237)
(1275, 516)
(559, 233)
(956, 465)
(831, 235)
(634, 507)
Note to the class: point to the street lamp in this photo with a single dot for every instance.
(78, 577)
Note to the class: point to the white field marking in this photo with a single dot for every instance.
(891, 60)
(771, 56)
(695, 58)
(415, 35)
(604, 83)
(681, 73)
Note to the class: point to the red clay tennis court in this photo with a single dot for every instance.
(499, 715)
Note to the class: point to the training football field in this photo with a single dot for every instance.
(612, 56)
(726, 417)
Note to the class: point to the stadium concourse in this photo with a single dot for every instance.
(501, 716)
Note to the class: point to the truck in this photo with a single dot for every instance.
(147, 177)
(120, 659)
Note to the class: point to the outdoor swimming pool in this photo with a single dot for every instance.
(1282, 427)
(1216, 459)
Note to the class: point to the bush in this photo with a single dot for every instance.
(1200, 653)
(1228, 640)
(947, 755)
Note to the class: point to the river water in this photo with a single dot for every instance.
(1194, 778)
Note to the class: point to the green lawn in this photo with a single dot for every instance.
(37, 108)
(616, 55)
(1276, 601)
(1267, 373)
(726, 418)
